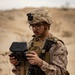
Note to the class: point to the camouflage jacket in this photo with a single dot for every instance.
(55, 60)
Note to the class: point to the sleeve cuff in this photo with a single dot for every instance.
(44, 66)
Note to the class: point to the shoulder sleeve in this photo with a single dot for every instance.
(58, 60)
(60, 55)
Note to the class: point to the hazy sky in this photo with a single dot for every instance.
(12, 4)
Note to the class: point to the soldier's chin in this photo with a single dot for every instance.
(37, 34)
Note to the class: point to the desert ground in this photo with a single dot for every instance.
(14, 27)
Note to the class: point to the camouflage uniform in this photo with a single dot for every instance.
(55, 60)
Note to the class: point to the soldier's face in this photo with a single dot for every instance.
(37, 29)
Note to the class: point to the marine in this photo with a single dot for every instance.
(47, 54)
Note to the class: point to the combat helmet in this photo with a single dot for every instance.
(39, 15)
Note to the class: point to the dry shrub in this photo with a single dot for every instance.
(64, 8)
(66, 34)
(0, 69)
(11, 18)
(1, 14)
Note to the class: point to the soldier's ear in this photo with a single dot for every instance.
(46, 27)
